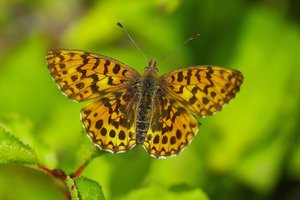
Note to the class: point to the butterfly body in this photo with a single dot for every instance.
(147, 90)
(157, 112)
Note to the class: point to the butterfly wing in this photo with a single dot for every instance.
(82, 75)
(203, 90)
(182, 94)
(172, 127)
(110, 121)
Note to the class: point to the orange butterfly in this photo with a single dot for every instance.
(132, 108)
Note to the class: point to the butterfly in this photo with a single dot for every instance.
(131, 108)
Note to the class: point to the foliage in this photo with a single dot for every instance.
(15, 152)
(250, 150)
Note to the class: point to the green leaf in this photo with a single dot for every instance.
(72, 188)
(23, 128)
(13, 151)
(158, 192)
(82, 188)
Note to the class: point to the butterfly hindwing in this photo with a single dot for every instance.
(110, 121)
(172, 127)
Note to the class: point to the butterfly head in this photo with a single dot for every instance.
(151, 67)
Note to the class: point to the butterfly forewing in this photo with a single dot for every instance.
(82, 75)
(204, 89)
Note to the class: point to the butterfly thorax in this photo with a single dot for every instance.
(147, 89)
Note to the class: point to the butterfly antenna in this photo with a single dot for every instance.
(135, 44)
(192, 37)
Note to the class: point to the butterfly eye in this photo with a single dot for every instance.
(152, 67)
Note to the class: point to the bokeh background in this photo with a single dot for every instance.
(250, 150)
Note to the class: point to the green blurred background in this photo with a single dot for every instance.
(250, 150)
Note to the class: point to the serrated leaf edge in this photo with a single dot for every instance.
(28, 151)
(24, 147)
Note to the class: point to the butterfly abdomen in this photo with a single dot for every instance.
(147, 90)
